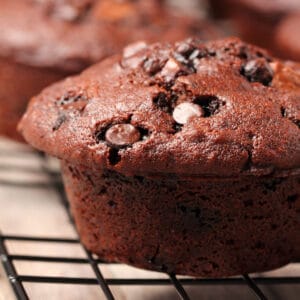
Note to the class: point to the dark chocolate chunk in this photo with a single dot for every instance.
(185, 48)
(153, 65)
(161, 101)
(180, 58)
(70, 98)
(210, 104)
(258, 70)
(113, 156)
(287, 114)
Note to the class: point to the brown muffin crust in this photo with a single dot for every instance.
(200, 227)
(240, 114)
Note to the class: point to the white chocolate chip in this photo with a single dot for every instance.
(186, 110)
(133, 48)
(171, 68)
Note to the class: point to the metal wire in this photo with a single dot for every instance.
(255, 289)
(101, 281)
(17, 281)
(10, 270)
(179, 288)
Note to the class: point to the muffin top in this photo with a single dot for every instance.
(72, 34)
(221, 108)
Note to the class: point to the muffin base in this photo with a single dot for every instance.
(199, 227)
(18, 83)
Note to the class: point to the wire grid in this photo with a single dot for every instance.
(17, 281)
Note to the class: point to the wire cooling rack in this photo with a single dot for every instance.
(18, 281)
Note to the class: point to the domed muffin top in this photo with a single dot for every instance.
(221, 108)
(72, 34)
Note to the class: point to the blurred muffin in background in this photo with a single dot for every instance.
(42, 41)
(271, 24)
(287, 37)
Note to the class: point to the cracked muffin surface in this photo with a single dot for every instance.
(219, 108)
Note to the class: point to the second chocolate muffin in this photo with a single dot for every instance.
(180, 157)
(44, 41)
(270, 24)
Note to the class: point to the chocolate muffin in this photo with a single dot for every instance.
(266, 23)
(287, 37)
(180, 157)
(44, 41)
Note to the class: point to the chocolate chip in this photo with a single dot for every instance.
(210, 105)
(194, 54)
(133, 49)
(70, 98)
(258, 70)
(113, 156)
(187, 65)
(59, 121)
(121, 135)
(69, 12)
(185, 48)
(176, 127)
(171, 69)
(153, 65)
(165, 101)
(286, 114)
(180, 58)
(296, 122)
(133, 56)
(66, 13)
(112, 203)
(243, 52)
(283, 112)
(133, 61)
(186, 110)
(144, 133)
(162, 102)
